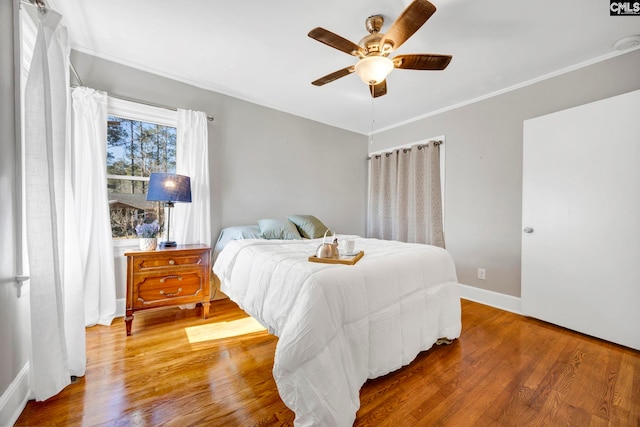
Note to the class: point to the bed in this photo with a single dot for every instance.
(339, 325)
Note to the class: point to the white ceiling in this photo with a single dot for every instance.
(259, 51)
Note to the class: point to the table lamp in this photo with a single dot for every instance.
(169, 188)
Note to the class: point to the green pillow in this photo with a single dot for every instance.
(278, 229)
(309, 226)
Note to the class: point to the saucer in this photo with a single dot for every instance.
(350, 253)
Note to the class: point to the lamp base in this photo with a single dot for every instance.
(168, 244)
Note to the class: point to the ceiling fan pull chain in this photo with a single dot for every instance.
(372, 121)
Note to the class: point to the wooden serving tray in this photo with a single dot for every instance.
(344, 259)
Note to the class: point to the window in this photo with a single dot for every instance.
(140, 140)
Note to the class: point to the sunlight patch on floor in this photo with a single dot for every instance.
(220, 330)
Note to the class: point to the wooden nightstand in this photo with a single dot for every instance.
(167, 277)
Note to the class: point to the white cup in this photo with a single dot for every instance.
(348, 246)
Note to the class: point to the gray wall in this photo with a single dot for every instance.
(483, 202)
(271, 164)
(14, 309)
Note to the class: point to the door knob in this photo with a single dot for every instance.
(528, 230)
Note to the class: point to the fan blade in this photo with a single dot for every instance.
(379, 89)
(333, 76)
(335, 41)
(409, 21)
(422, 61)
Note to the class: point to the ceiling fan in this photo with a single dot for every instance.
(373, 50)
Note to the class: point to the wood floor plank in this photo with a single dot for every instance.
(178, 369)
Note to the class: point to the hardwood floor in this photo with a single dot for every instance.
(505, 370)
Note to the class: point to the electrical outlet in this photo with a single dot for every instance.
(482, 274)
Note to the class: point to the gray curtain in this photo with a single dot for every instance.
(405, 201)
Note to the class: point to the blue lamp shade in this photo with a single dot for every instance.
(169, 187)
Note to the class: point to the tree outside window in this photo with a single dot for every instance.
(135, 149)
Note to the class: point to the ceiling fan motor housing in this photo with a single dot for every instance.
(371, 42)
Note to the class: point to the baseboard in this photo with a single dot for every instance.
(14, 399)
(490, 298)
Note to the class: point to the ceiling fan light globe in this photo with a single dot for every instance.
(373, 69)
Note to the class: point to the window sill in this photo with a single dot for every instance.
(126, 243)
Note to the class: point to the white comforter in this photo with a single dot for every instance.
(338, 324)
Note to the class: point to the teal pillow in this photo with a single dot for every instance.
(309, 226)
(278, 229)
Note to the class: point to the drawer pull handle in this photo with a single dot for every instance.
(171, 262)
(164, 279)
(162, 292)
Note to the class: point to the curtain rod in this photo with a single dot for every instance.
(40, 4)
(75, 73)
(405, 149)
(151, 104)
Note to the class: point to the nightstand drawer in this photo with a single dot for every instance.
(150, 290)
(145, 263)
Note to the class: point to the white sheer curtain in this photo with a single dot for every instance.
(57, 320)
(405, 200)
(89, 146)
(193, 223)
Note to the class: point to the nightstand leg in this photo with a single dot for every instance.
(128, 320)
(205, 309)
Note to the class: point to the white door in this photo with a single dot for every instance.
(581, 219)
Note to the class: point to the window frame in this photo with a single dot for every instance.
(141, 112)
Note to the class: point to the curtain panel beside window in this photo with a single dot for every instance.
(193, 220)
(89, 147)
(57, 320)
